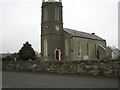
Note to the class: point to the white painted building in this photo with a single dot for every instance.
(115, 54)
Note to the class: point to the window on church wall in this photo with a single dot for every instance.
(45, 14)
(79, 49)
(88, 50)
(45, 47)
(66, 47)
(57, 14)
(96, 49)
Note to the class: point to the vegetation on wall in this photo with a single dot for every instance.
(12, 57)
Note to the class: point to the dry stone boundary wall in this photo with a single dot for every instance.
(95, 67)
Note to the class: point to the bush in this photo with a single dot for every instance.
(27, 52)
(12, 57)
(8, 58)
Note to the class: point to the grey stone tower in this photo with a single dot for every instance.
(52, 30)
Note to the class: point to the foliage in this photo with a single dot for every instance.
(15, 56)
(12, 57)
(8, 58)
(27, 52)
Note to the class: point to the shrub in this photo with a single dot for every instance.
(27, 52)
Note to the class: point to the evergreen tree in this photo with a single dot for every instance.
(27, 52)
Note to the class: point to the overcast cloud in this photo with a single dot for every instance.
(20, 21)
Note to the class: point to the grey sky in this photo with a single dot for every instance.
(20, 21)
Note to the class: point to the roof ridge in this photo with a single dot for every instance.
(82, 34)
(78, 31)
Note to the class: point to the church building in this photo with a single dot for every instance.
(63, 44)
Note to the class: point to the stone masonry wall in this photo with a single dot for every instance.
(101, 67)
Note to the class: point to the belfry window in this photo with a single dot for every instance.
(45, 47)
(57, 14)
(66, 47)
(45, 14)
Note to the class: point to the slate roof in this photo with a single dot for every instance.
(82, 34)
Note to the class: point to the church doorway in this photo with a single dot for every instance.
(57, 55)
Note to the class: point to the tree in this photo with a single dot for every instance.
(11, 57)
(27, 52)
(8, 58)
(15, 56)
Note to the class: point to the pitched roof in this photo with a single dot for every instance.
(82, 34)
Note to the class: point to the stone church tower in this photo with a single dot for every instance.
(52, 30)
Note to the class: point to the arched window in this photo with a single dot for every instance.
(45, 47)
(79, 49)
(88, 50)
(57, 14)
(96, 49)
(45, 14)
(66, 47)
